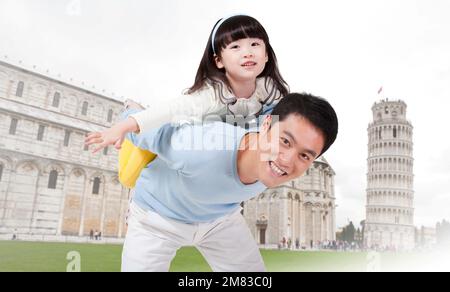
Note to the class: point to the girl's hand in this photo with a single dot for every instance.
(112, 136)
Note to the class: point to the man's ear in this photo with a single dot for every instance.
(218, 62)
(267, 124)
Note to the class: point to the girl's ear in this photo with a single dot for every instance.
(267, 57)
(218, 62)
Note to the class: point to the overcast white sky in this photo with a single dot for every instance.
(341, 50)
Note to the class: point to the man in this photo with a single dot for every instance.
(190, 195)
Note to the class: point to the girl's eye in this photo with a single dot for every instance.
(234, 47)
(256, 44)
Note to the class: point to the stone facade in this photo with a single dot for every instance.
(302, 210)
(390, 194)
(50, 183)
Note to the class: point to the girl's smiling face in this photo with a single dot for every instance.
(243, 60)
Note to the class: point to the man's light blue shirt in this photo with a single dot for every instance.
(194, 178)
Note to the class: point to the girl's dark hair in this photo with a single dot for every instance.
(315, 109)
(233, 29)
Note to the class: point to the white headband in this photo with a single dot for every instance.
(216, 28)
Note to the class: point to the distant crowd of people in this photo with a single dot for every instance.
(332, 245)
(95, 235)
(335, 245)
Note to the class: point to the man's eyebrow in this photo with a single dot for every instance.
(311, 152)
(290, 135)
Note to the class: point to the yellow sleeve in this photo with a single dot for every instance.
(131, 162)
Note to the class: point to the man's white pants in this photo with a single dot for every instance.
(152, 242)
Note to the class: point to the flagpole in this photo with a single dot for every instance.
(379, 93)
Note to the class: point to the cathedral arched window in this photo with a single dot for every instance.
(53, 179)
(85, 147)
(395, 132)
(84, 109)
(19, 91)
(41, 132)
(110, 115)
(56, 99)
(96, 186)
(1, 171)
(67, 138)
(13, 126)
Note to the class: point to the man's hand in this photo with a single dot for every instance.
(112, 136)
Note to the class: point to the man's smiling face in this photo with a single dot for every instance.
(287, 149)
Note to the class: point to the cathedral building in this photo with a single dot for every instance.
(50, 183)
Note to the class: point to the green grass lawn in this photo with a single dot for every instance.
(49, 257)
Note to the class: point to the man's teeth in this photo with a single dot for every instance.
(276, 169)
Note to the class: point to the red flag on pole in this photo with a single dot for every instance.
(380, 90)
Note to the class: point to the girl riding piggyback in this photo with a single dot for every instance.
(238, 76)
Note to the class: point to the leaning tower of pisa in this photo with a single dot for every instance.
(390, 195)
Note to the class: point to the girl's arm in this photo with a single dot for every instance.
(112, 136)
(187, 107)
(159, 113)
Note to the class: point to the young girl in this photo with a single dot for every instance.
(238, 75)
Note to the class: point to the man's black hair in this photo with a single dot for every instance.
(315, 109)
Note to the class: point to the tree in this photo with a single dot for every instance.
(350, 234)
(347, 234)
(363, 228)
